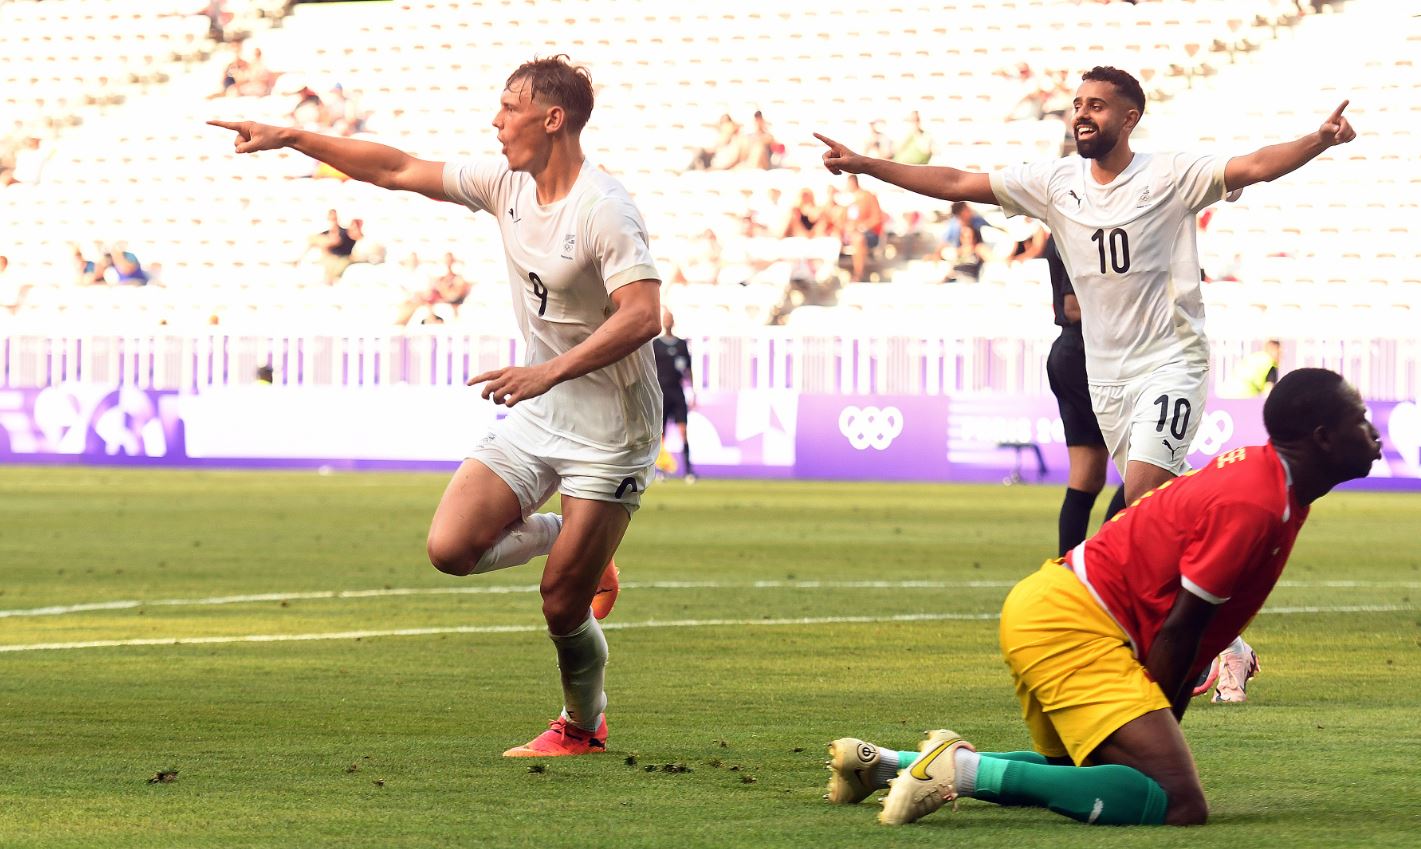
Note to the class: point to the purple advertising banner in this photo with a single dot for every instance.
(885, 437)
(744, 435)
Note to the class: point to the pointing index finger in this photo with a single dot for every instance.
(226, 125)
(1337, 113)
(827, 140)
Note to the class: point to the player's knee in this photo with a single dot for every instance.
(1187, 808)
(451, 558)
(562, 612)
(1192, 811)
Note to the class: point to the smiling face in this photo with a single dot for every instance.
(1101, 118)
(524, 125)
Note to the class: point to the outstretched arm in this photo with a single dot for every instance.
(1270, 163)
(365, 161)
(930, 180)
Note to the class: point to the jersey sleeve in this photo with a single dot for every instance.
(619, 244)
(474, 183)
(1229, 540)
(1024, 189)
(1200, 179)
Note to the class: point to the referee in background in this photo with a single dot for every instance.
(1085, 446)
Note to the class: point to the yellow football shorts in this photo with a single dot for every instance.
(1076, 676)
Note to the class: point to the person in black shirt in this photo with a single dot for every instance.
(1085, 446)
(673, 372)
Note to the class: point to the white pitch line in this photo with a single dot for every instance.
(496, 589)
(610, 626)
(130, 604)
(495, 629)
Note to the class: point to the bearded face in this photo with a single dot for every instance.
(1094, 141)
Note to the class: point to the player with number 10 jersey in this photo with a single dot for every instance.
(1129, 248)
(1124, 225)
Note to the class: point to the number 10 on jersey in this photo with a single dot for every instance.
(1119, 249)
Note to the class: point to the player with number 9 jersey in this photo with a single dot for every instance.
(564, 261)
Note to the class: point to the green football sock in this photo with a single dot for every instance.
(1101, 795)
(1023, 757)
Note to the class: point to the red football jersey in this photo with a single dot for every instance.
(1223, 533)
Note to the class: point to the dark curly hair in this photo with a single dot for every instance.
(1123, 82)
(1304, 400)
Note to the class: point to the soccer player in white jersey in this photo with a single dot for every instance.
(584, 411)
(1124, 223)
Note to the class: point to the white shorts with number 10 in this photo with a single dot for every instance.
(1152, 419)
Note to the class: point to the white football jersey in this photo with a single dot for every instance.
(564, 261)
(1130, 248)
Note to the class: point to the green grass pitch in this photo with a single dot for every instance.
(759, 621)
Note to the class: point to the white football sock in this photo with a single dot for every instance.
(887, 767)
(965, 763)
(582, 660)
(521, 542)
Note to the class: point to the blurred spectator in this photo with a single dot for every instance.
(416, 287)
(30, 159)
(917, 146)
(365, 249)
(761, 149)
(1046, 94)
(232, 74)
(725, 152)
(701, 261)
(265, 375)
(863, 225)
(309, 113)
(335, 245)
(878, 143)
(806, 218)
(1028, 239)
(1258, 372)
(452, 287)
(970, 252)
(952, 235)
(258, 80)
(431, 300)
(93, 267)
(128, 270)
(218, 18)
(246, 77)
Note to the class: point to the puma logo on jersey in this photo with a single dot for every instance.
(515, 218)
(1073, 194)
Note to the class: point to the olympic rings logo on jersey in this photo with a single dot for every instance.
(871, 427)
(1215, 430)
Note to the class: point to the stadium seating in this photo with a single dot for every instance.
(1322, 249)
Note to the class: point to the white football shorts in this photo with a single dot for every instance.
(1152, 419)
(534, 479)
